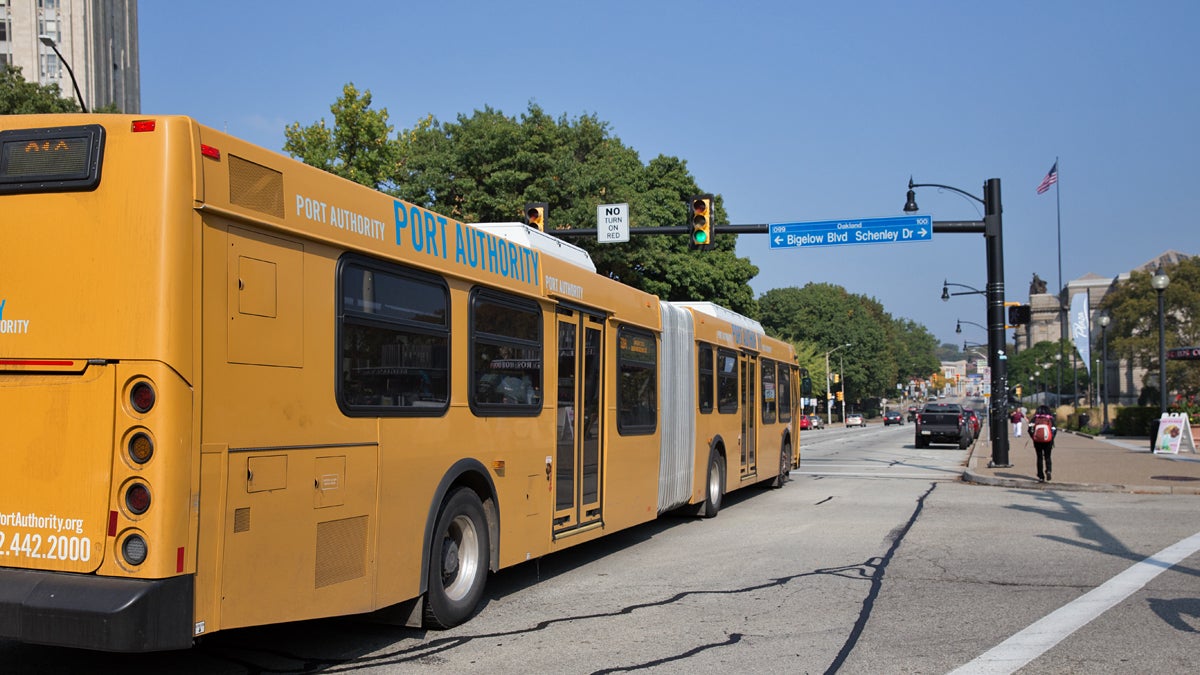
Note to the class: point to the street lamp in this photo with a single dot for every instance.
(992, 228)
(828, 404)
(958, 326)
(49, 42)
(946, 289)
(1104, 321)
(1159, 281)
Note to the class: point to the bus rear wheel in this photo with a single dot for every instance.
(715, 493)
(458, 560)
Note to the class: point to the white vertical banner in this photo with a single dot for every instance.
(1081, 328)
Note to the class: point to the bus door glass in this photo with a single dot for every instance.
(749, 384)
(577, 454)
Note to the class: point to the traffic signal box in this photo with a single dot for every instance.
(1019, 315)
(535, 215)
(702, 215)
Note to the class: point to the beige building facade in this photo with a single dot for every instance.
(97, 39)
(1047, 314)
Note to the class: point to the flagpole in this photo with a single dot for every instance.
(1062, 323)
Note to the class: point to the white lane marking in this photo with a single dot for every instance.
(1038, 638)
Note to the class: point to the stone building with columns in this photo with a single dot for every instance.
(1047, 312)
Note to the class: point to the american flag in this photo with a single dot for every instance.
(1050, 179)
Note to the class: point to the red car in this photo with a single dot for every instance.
(975, 423)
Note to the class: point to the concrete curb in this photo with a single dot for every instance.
(971, 476)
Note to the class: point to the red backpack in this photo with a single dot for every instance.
(1043, 429)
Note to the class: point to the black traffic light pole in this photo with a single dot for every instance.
(992, 227)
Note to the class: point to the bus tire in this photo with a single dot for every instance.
(785, 466)
(458, 560)
(714, 493)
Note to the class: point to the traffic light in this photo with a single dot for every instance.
(701, 208)
(535, 215)
(1019, 315)
(839, 395)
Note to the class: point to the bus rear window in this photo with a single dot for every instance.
(62, 159)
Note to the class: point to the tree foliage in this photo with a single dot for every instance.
(884, 351)
(485, 166)
(356, 147)
(19, 97)
(1133, 333)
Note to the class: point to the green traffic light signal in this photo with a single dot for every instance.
(701, 222)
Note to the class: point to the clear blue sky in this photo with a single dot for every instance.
(792, 111)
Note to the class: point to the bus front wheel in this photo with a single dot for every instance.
(458, 560)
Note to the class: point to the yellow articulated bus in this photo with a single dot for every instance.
(237, 390)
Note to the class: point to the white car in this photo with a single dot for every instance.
(855, 420)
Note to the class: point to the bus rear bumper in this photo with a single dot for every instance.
(101, 613)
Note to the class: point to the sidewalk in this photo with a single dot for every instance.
(1082, 462)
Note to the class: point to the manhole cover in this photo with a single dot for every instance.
(1178, 478)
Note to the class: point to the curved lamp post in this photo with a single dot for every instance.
(958, 326)
(828, 404)
(49, 42)
(1104, 320)
(1159, 281)
(946, 294)
(992, 228)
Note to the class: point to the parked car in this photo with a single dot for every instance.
(855, 420)
(817, 421)
(892, 417)
(975, 423)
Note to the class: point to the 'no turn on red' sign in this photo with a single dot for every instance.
(612, 223)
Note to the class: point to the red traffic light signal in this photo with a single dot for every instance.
(701, 215)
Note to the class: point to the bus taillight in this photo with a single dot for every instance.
(142, 125)
(134, 549)
(141, 396)
(137, 498)
(141, 447)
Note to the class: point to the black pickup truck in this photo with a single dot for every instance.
(943, 423)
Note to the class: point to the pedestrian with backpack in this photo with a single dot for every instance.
(1042, 430)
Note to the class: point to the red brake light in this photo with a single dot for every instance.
(210, 151)
(142, 125)
(141, 397)
(137, 498)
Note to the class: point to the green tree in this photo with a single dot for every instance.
(19, 97)
(485, 166)
(356, 147)
(884, 352)
(1133, 333)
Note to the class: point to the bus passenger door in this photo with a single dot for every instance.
(749, 437)
(577, 462)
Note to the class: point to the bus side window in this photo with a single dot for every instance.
(394, 338)
(637, 382)
(705, 378)
(506, 354)
(727, 381)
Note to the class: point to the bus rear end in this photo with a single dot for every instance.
(97, 522)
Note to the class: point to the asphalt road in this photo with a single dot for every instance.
(875, 558)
